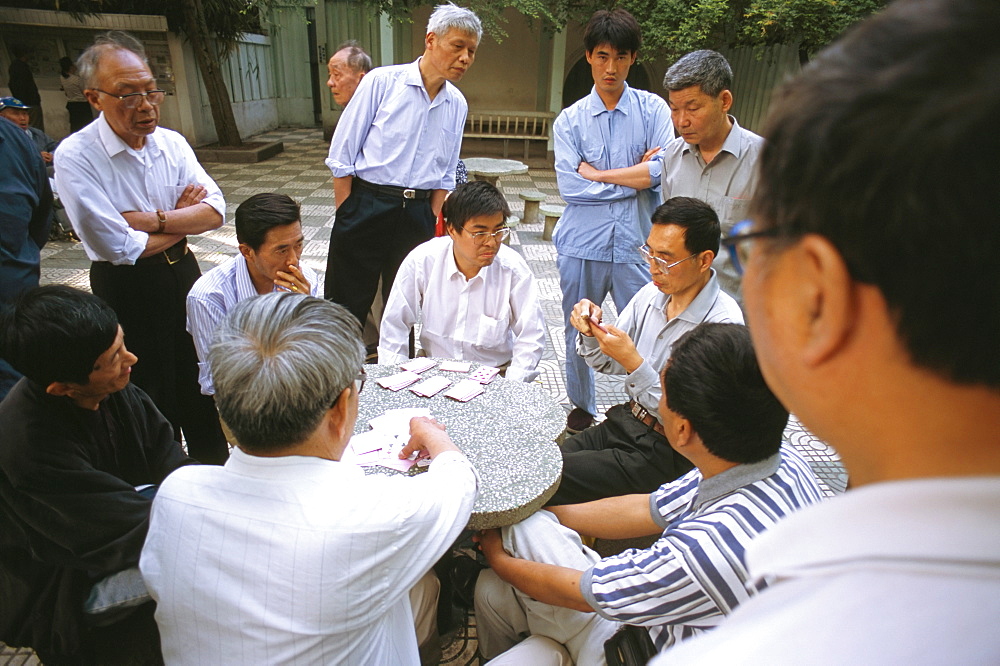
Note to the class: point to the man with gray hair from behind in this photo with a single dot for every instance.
(286, 554)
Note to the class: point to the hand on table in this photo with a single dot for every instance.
(293, 280)
(428, 437)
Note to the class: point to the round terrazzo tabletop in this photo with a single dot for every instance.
(508, 433)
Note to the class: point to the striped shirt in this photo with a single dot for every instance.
(695, 574)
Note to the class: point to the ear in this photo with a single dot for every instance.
(246, 251)
(60, 388)
(828, 299)
(705, 260)
(726, 97)
(340, 414)
(590, 57)
(635, 54)
(94, 98)
(429, 40)
(683, 434)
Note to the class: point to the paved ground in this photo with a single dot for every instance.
(300, 173)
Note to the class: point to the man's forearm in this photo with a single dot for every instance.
(437, 201)
(548, 583)
(342, 189)
(624, 517)
(159, 242)
(184, 221)
(635, 176)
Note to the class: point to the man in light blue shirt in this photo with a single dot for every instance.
(393, 158)
(599, 235)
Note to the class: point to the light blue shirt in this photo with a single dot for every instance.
(393, 133)
(605, 222)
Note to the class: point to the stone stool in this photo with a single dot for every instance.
(511, 223)
(552, 215)
(531, 200)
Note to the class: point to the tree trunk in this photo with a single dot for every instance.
(211, 73)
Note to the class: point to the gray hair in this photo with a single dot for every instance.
(113, 40)
(357, 59)
(707, 69)
(279, 362)
(446, 17)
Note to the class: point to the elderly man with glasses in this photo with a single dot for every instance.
(476, 297)
(285, 554)
(628, 452)
(133, 192)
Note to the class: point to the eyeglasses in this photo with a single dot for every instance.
(661, 264)
(359, 383)
(500, 235)
(739, 244)
(132, 100)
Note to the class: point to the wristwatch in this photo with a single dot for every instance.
(162, 217)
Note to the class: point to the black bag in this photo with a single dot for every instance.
(630, 646)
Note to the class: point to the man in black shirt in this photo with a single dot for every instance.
(80, 449)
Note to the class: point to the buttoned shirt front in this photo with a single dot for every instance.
(99, 177)
(298, 560)
(726, 184)
(695, 574)
(493, 318)
(393, 133)
(902, 572)
(216, 293)
(606, 222)
(645, 321)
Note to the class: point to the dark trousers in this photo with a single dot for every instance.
(371, 236)
(150, 302)
(80, 115)
(620, 456)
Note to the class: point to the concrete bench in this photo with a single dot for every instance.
(519, 125)
(532, 199)
(552, 215)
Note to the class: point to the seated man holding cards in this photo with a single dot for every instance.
(476, 297)
(719, 414)
(285, 554)
(628, 452)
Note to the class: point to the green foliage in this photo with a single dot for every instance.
(809, 23)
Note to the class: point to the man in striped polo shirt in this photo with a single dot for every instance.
(718, 412)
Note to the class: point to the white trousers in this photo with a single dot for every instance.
(505, 616)
(424, 602)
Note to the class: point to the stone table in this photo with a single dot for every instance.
(490, 169)
(508, 433)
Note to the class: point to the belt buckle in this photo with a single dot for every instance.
(409, 193)
(171, 262)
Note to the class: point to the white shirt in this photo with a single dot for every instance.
(906, 572)
(99, 177)
(212, 296)
(493, 318)
(297, 560)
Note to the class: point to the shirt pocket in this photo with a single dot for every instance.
(595, 154)
(442, 160)
(492, 332)
(730, 210)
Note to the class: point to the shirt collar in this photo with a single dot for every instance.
(732, 145)
(114, 144)
(597, 104)
(451, 265)
(734, 478)
(702, 304)
(244, 283)
(299, 468)
(413, 78)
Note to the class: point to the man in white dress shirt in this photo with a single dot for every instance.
(286, 555)
(476, 296)
(133, 192)
(269, 231)
(873, 291)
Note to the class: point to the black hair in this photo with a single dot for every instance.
(261, 213)
(701, 225)
(903, 183)
(56, 333)
(712, 379)
(615, 27)
(473, 199)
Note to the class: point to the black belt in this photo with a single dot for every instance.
(171, 255)
(643, 415)
(392, 190)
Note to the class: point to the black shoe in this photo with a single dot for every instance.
(578, 419)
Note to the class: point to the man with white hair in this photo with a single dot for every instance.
(347, 67)
(285, 554)
(393, 158)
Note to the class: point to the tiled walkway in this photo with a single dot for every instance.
(300, 173)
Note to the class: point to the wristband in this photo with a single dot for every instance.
(162, 217)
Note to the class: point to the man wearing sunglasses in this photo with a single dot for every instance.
(475, 296)
(628, 452)
(133, 192)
